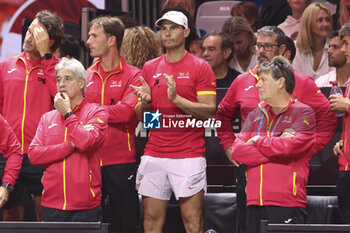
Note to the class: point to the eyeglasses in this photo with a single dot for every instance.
(267, 46)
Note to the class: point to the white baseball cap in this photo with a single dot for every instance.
(175, 17)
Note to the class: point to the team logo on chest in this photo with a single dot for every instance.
(40, 72)
(10, 71)
(116, 83)
(287, 119)
(184, 75)
(258, 118)
(157, 75)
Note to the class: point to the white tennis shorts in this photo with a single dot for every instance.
(157, 177)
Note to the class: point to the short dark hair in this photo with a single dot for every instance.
(198, 41)
(273, 30)
(279, 67)
(250, 11)
(54, 26)
(128, 21)
(112, 26)
(289, 43)
(226, 43)
(334, 34)
(70, 46)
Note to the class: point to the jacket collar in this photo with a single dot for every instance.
(267, 109)
(96, 66)
(80, 106)
(253, 71)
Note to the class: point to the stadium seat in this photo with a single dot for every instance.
(212, 15)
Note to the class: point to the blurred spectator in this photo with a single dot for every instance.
(291, 25)
(274, 12)
(139, 45)
(69, 48)
(187, 5)
(250, 12)
(311, 57)
(196, 47)
(243, 39)
(290, 51)
(128, 21)
(337, 59)
(218, 50)
(343, 15)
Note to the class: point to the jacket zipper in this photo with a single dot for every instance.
(103, 90)
(25, 99)
(294, 183)
(64, 176)
(268, 134)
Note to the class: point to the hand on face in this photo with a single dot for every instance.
(62, 103)
(42, 40)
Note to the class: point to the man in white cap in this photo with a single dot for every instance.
(179, 88)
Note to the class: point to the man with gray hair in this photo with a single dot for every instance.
(218, 51)
(67, 142)
(244, 96)
(276, 153)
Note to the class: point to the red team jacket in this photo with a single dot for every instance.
(10, 148)
(113, 90)
(243, 96)
(345, 158)
(72, 177)
(27, 88)
(277, 167)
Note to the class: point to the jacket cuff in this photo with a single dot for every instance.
(70, 119)
(68, 147)
(226, 146)
(9, 179)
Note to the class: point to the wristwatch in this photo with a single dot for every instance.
(8, 186)
(68, 114)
